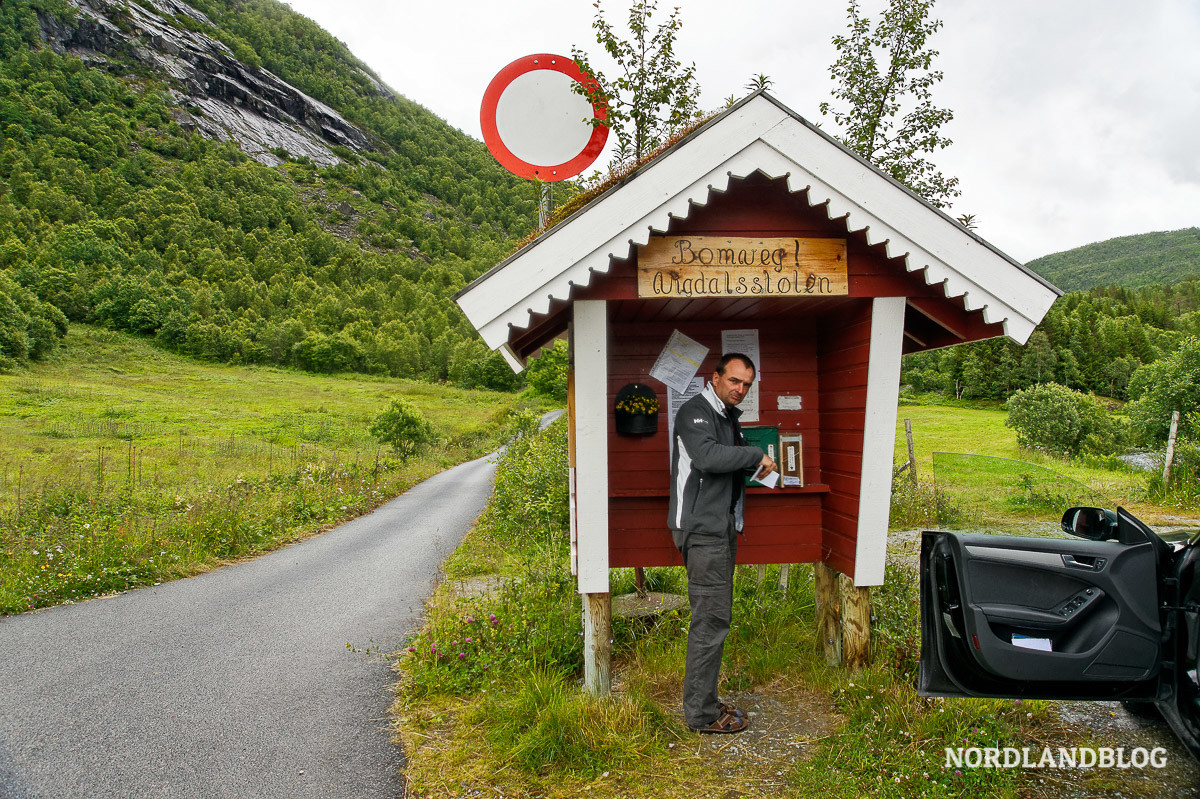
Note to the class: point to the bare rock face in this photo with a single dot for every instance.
(227, 100)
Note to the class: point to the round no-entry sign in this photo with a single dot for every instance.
(534, 122)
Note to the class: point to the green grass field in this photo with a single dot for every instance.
(122, 465)
(971, 458)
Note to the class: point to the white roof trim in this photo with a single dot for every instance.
(758, 134)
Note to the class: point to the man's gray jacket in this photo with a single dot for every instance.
(708, 466)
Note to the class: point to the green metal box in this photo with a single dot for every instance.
(766, 438)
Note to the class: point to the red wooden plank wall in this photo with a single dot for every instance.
(783, 525)
(842, 373)
(818, 353)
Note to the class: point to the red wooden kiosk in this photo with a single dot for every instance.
(760, 226)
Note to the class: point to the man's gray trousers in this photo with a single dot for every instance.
(709, 560)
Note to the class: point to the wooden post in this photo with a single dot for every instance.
(597, 644)
(856, 624)
(589, 414)
(829, 613)
(639, 581)
(1170, 456)
(760, 574)
(912, 458)
(784, 572)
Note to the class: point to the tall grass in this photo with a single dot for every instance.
(490, 698)
(121, 466)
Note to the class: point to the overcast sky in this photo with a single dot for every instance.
(1075, 120)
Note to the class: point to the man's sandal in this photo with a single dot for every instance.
(725, 723)
(731, 710)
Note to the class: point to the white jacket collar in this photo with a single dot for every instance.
(710, 394)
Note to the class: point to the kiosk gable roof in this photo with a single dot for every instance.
(759, 133)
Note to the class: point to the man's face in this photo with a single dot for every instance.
(732, 386)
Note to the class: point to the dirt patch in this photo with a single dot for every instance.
(786, 722)
(633, 606)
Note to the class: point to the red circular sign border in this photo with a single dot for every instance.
(491, 136)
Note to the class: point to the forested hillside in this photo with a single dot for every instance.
(1131, 261)
(1090, 341)
(114, 210)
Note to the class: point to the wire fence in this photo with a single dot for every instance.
(982, 492)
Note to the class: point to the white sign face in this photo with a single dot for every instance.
(541, 118)
(535, 122)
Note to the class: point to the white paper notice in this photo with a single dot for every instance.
(746, 342)
(770, 481)
(675, 401)
(678, 362)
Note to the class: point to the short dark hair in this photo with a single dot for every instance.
(734, 356)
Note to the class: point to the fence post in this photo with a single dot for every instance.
(1170, 456)
(912, 458)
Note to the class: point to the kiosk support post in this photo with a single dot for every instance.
(829, 612)
(597, 643)
(588, 406)
(856, 624)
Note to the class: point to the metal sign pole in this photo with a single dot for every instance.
(545, 206)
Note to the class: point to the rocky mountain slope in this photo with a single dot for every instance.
(228, 99)
(223, 175)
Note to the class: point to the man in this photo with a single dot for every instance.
(707, 493)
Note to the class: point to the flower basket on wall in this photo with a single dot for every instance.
(635, 410)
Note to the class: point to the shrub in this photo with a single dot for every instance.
(1060, 421)
(547, 373)
(1168, 384)
(531, 495)
(1183, 489)
(921, 505)
(403, 428)
(473, 640)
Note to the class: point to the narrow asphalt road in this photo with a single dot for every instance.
(236, 683)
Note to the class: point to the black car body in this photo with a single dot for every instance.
(1112, 614)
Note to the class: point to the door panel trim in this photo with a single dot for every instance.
(1047, 560)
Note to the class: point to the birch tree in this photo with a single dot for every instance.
(883, 100)
(653, 95)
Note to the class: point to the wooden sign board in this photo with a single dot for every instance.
(715, 266)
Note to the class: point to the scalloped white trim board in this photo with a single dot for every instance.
(759, 134)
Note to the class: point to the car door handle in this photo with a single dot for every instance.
(1066, 614)
(1024, 617)
(1087, 562)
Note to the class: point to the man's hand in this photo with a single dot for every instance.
(767, 465)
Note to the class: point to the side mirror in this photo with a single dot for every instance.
(1094, 524)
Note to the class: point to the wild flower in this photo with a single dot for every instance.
(637, 405)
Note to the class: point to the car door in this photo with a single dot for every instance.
(1062, 618)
